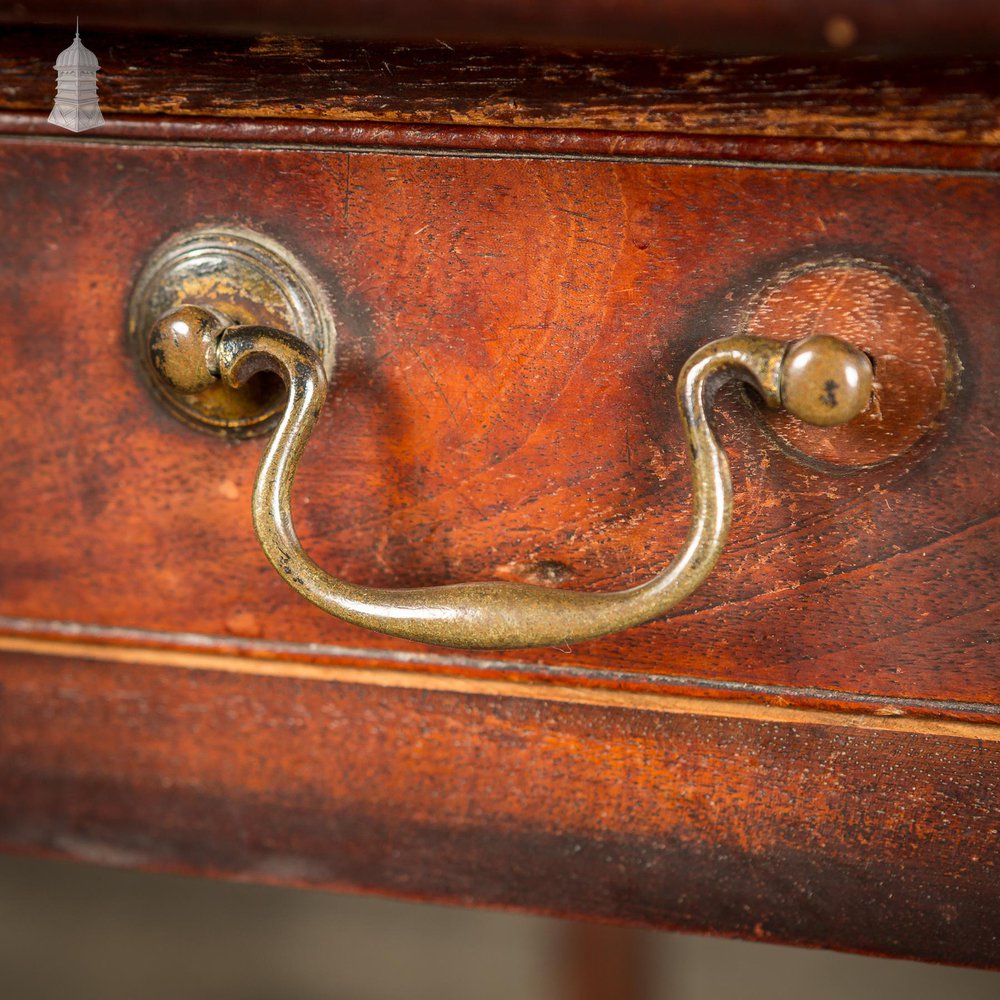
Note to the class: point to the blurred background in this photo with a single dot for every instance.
(86, 933)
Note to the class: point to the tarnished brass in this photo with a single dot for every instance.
(248, 278)
(499, 615)
(825, 381)
(182, 348)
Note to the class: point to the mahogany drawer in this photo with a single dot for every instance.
(813, 731)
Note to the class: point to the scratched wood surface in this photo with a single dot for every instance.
(509, 331)
(858, 838)
(943, 100)
(804, 752)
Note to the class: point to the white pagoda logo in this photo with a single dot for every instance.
(76, 105)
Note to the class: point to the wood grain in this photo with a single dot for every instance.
(520, 248)
(519, 141)
(874, 841)
(508, 332)
(943, 100)
(384, 672)
(872, 309)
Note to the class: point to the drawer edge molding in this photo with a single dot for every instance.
(563, 143)
(764, 829)
(482, 676)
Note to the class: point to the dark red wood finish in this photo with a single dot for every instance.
(805, 751)
(942, 100)
(818, 834)
(509, 330)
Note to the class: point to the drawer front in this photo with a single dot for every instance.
(803, 751)
(509, 332)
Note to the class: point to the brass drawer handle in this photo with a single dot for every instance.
(821, 380)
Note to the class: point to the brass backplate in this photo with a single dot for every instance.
(251, 280)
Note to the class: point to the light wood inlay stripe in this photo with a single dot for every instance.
(488, 687)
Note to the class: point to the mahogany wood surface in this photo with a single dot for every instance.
(859, 838)
(509, 329)
(522, 140)
(936, 100)
(805, 751)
